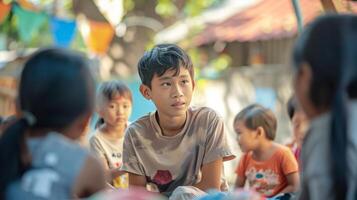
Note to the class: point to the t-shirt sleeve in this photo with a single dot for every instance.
(96, 148)
(240, 171)
(131, 163)
(216, 142)
(289, 164)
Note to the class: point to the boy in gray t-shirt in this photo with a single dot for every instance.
(177, 145)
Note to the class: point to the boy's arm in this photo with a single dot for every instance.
(290, 168)
(293, 183)
(240, 181)
(211, 175)
(137, 180)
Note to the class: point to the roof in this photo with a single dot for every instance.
(268, 19)
(183, 28)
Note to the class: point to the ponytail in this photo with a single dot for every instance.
(12, 151)
(99, 123)
(338, 142)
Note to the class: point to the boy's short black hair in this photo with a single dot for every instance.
(161, 58)
(255, 116)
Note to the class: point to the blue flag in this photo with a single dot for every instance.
(63, 31)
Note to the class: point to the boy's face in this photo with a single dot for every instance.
(171, 94)
(115, 112)
(246, 137)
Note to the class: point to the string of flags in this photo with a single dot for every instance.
(29, 21)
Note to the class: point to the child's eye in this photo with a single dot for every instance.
(185, 81)
(111, 106)
(165, 84)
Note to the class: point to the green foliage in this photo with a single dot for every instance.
(78, 42)
(166, 8)
(222, 62)
(129, 5)
(195, 7)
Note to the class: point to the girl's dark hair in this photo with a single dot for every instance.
(56, 87)
(110, 90)
(291, 107)
(328, 45)
(255, 116)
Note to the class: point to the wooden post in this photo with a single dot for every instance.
(333, 6)
(297, 10)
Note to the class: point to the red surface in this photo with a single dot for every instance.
(268, 19)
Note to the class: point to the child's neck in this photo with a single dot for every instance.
(264, 151)
(171, 126)
(113, 132)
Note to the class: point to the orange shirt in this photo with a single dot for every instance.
(268, 177)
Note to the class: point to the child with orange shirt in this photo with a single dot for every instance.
(268, 167)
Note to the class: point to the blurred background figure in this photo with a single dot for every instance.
(39, 156)
(325, 83)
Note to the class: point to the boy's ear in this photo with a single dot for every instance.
(260, 131)
(145, 91)
(193, 84)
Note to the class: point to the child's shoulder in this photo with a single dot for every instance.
(282, 150)
(204, 112)
(95, 135)
(141, 124)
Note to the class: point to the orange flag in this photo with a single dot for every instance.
(100, 36)
(4, 11)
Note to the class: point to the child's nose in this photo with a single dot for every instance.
(120, 110)
(177, 91)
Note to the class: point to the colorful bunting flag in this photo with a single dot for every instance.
(63, 31)
(28, 22)
(27, 5)
(4, 10)
(100, 36)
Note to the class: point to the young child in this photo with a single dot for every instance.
(325, 84)
(114, 104)
(39, 156)
(177, 145)
(300, 125)
(269, 168)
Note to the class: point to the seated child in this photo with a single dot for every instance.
(177, 145)
(269, 168)
(114, 103)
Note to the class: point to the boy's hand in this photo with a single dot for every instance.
(293, 183)
(211, 176)
(240, 181)
(137, 180)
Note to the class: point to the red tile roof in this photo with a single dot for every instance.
(268, 19)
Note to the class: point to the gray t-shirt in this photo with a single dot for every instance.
(56, 163)
(316, 168)
(169, 162)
